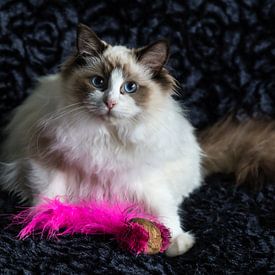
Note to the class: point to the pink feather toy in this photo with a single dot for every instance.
(134, 230)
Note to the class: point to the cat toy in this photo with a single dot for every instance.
(129, 224)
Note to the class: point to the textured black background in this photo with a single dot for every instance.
(223, 55)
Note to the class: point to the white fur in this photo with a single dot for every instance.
(116, 80)
(155, 161)
(118, 52)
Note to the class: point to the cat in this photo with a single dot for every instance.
(106, 127)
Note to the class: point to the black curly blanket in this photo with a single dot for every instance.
(223, 55)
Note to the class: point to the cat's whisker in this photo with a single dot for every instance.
(41, 121)
(43, 126)
(59, 113)
(41, 131)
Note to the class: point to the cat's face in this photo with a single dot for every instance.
(114, 82)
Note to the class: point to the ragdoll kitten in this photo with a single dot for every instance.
(106, 127)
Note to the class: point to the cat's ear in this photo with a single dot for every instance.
(154, 56)
(88, 42)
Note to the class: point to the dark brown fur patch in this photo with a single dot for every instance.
(88, 42)
(244, 148)
(166, 81)
(80, 75)
(154, 56)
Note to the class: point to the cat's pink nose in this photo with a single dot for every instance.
(110, 103)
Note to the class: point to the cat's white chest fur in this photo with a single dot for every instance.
(124, 161)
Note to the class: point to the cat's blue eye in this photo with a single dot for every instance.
(129, 87)
(98, 82)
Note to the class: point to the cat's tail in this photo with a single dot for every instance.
(246, 149)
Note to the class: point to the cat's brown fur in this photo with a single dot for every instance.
(246, 149)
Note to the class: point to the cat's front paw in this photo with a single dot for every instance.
(180, 244)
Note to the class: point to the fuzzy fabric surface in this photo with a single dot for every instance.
(223, 55)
